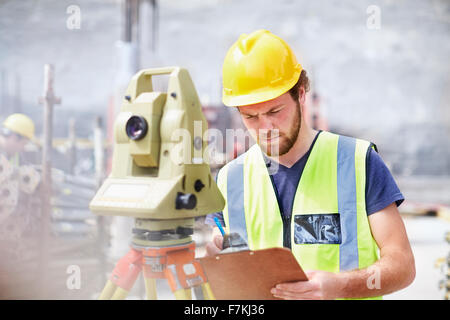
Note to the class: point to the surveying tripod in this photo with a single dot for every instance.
(173, 260)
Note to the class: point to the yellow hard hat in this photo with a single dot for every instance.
(258, 67)
(20, 124)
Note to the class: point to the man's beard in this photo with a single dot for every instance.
(285, 142)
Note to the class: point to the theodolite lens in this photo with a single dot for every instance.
(136, 127)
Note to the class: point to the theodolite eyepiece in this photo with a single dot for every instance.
(185, 201)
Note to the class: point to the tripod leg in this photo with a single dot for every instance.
(183, 294)
(150, 288)
(123, 276)
(113, 292)
(108, 291)
(119, 294)
(207, 292)
(150, 282)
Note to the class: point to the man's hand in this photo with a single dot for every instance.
(320, 286)
(214, 247)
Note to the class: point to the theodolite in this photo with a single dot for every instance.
(161, 177)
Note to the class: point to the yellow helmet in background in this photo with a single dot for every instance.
(20, 124)
(258, 67)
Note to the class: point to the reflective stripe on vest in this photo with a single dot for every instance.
(235, 192)
(346, 191)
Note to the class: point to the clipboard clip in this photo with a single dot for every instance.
(233, 242)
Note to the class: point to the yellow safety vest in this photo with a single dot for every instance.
(329, 205)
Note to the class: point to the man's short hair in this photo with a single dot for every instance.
(303, 81)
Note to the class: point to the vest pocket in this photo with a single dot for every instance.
(322, 228)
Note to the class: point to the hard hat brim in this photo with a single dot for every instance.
(257, 97)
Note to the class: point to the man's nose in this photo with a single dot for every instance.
(265, 123)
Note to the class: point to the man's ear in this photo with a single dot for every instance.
(301, 95)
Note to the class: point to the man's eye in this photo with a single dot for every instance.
(250, 117)
(273, 112)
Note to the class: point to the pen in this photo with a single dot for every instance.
(216, 220)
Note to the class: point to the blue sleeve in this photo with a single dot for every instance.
(210, 217)
(381, 189)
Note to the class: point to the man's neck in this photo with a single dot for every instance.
(301, 146)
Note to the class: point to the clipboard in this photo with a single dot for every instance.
(249, 275)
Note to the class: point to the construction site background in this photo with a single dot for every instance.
(382, 80)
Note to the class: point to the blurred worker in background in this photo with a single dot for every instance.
(16, 131)
(19, 205)
(328, 198)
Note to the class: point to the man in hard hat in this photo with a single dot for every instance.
(16, 131)
(329, 198)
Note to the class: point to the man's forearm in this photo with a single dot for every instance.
(392, 272)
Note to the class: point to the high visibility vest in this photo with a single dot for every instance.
(329, 226)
